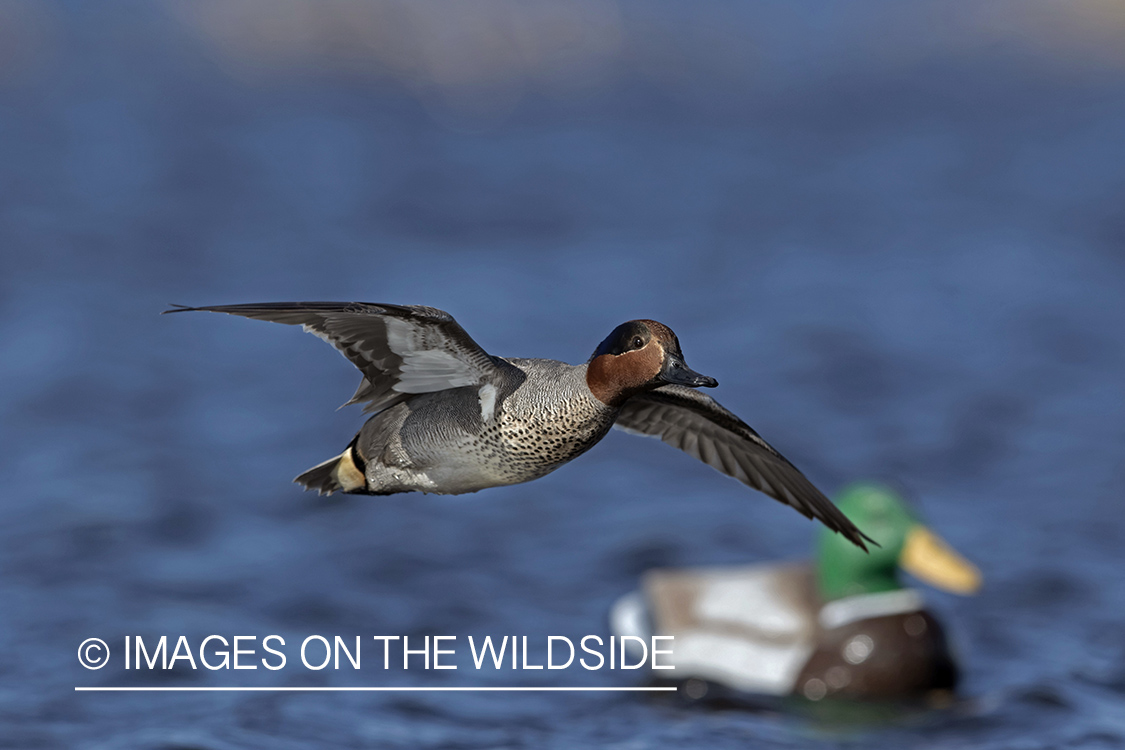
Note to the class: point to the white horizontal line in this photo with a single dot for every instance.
(288, 689)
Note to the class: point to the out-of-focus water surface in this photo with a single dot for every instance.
(895, 232)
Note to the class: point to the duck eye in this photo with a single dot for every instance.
(638, 343)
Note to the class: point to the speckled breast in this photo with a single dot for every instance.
(552, 419)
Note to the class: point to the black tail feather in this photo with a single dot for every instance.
(321, 478)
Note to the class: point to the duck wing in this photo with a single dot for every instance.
(400, 349)
(698, 425)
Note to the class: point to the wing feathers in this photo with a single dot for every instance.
(401, 350)
(696, 424)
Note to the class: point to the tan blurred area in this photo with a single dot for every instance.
(470, 59)
(1074, 32)
(475, 60)
(498, 43)
(477, 56)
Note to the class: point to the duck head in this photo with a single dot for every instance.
(843, 570)
(638, 356)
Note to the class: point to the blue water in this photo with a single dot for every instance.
(893, 232)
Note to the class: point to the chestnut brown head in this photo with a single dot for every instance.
(637, 356)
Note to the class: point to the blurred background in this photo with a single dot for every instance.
(895, 232)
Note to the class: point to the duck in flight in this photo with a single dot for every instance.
(450, 418)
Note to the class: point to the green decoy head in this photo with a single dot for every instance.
(845, 570)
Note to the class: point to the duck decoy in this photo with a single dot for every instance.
(842, 627)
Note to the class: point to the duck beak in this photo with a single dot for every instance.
(925, 555)
(677, 372)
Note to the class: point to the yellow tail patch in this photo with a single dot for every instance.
(347, 474)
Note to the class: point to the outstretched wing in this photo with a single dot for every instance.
(400, 349)
(696, 424)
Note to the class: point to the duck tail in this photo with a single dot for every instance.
(343, 473)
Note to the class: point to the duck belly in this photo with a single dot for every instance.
(466, 439)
